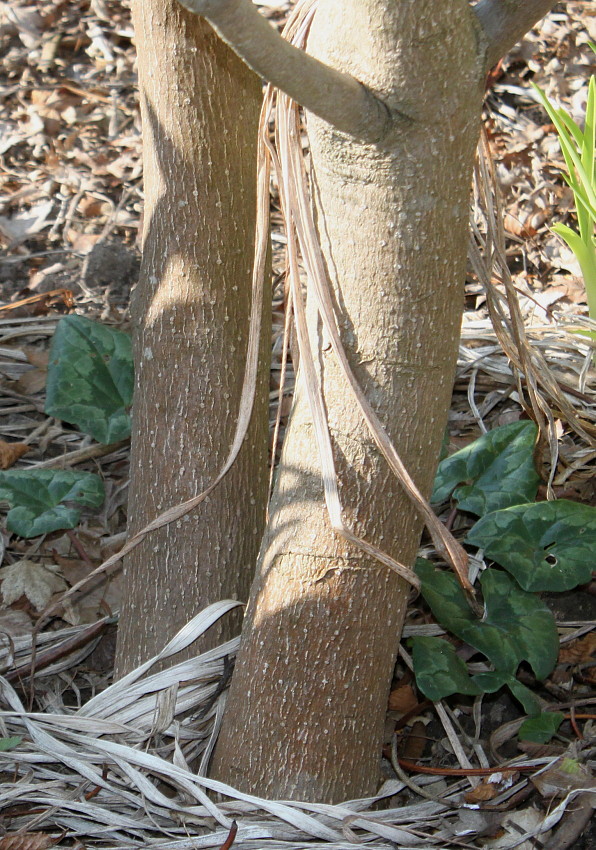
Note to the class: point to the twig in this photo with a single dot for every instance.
(231, 837)
(80, 455)
(47, 297)
(464, 771)
(80, 549)
(398, 764)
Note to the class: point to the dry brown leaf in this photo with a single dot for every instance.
(575, 290)
(14, 623)
(35, 581)
(518, 228)
(562, 677)
(54, 105)
(415, 742)
(82, 242)
(402, 699)
(101, 596)
(92, 207)
(28, 841)
(578, 651)
(37, 356)
(32, 382)
(11, 452)
(566, 775)
(486, 790)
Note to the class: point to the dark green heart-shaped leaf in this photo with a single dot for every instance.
(495, 471)
(540, 729)
(517, 626)
(547, 546)
(90, 378)
(37, 498)
(439, 671)
(494, 680)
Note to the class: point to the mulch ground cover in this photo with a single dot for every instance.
(71, 201)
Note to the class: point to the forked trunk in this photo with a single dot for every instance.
(307, 703)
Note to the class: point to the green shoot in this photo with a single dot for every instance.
(577, 147)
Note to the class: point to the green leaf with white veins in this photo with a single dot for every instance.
(495, 471)
(517, 626)
(90, 378)
(547, 546)
(439, 671)
(37, 498)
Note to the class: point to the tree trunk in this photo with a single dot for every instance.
(200, 107)
(307, 703)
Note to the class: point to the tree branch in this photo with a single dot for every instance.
(335, 97)
(505, 22)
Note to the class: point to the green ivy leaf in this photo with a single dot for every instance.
(517, 626)
(37, 498)
(530, 702)
(495, 471)
(90, 378)
(494, 680)
(439, 671)
(9, 743)
(540, 729)
(547, 546)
